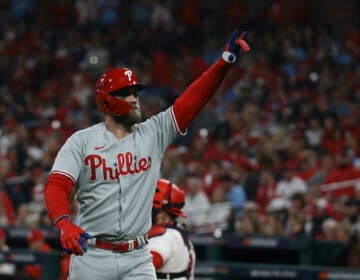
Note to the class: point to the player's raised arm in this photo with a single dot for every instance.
(189, 104)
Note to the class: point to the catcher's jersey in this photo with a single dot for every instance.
(115, 180)
(176, 256)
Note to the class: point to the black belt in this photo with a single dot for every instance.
(172, 275)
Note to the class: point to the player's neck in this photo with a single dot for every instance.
(119, 130)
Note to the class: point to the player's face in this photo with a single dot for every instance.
(134, 115)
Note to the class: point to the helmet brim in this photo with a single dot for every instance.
(139, 86)
(177, 213)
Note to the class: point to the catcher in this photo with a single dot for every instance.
(169, 243)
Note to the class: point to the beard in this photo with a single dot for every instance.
(130, 119)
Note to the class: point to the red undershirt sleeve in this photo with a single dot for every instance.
(194, 98)
(57, 190)
(157, 259)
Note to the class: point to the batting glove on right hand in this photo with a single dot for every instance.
(72, 237)
(235, 45)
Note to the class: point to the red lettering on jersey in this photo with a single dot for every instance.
(126, 165)
(95, 162)
(144, 164)
(108, 169)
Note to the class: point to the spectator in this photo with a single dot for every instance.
(266, 190)
(321, 211)
(308, 164)
(290, 184)
(36, 242)
(248, 223)
(325, 164)
(25, 218)
(297, 203)
(342, 170)
(5, 267)
(85, 11)
(333, 139)
(354, 254)
(352, 213)
(3, 246)
(211, 177)
(296, 226)
(108, 12)
(44, 220)
(7, 212)
(233, 193)
(196, 202)
(328, 230)
(314, 133)
(172, 166)
(272, 226)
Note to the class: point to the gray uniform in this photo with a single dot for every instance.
(115, 181)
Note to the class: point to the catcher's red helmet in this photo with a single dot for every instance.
(169, 197)
(113, 80)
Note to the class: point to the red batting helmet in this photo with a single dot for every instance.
(111, 81)
(169, 197)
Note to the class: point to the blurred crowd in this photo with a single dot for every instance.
(281, 130)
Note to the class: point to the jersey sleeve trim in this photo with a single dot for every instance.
(176, 124)
(59, 218)
(65, 174)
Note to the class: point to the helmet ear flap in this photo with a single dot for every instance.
(117, 107)
(169, 197)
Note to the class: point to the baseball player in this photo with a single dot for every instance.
(113, 167)
(169, 243)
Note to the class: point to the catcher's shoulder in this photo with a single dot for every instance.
(156, 231)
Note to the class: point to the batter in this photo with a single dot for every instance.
(114, 166)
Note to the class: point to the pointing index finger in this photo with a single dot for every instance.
(242, 35)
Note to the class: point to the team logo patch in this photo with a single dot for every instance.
(128, 73)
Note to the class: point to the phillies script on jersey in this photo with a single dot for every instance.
(125, 165)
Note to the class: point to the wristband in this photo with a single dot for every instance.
(228, 57)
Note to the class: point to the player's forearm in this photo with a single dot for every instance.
(194, 98)
(57, 191)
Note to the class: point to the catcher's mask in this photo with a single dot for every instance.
(112, 82)
(169, 197)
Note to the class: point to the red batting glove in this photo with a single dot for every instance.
(72, 237)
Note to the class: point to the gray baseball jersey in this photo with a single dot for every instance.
(115, 179)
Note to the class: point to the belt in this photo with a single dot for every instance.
(173, 275)
(121, 247)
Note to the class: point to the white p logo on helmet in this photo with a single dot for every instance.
(129, 74)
